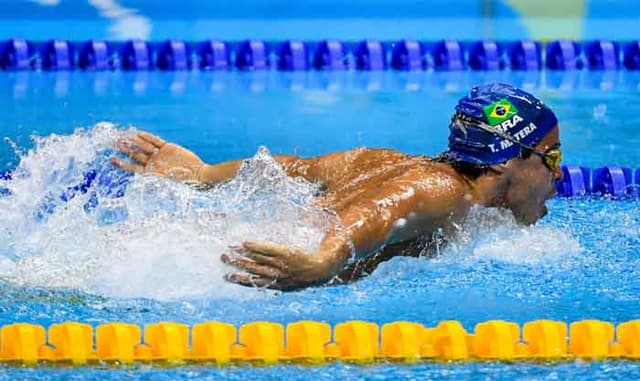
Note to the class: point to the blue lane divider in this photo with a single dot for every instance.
(524, 55)
(330, 55)
(602, 55)
(5, 175)
(213, 55)
(410, 55)
(16, 54)
(576, 181)
(631, 60)
(100, 181)
(563, 55)
(292, 56)
(173, 55)
(136, 55)
(252, 55)
(370, 55)
(406, 55)
(95, 55)
(485, 55)
(448, 55)
(611, 180)
(57, 55)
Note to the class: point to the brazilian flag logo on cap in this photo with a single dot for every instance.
(499, 111)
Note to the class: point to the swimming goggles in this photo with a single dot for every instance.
(551, 157)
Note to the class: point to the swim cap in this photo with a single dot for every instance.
(511, 112)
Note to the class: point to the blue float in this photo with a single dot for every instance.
(602, 55)
(173, 55)
(370, 55)
(292, 56)
(612, 180)
(252, 55)
(631, 56)
(16, 54)
(5, 175)
(102, 182)
(634, 190)
(563, 55)
(135, 55)
(213, 55)
(56, 55)
(448, 55)
(330, 55)
(524, 55)
(95, 55)
(575, 181)
(485, 55)
(407, 55)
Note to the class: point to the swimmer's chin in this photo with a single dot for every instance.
(533, 218)
(541, 214)
(545, 211)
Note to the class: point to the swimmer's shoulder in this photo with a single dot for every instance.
(439, 187)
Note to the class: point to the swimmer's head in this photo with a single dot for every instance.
(510, 140)
(490, 121)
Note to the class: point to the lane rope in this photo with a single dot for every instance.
(315, 342)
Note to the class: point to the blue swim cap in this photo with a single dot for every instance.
(511, 112)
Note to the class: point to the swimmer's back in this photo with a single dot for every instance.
(346, 175)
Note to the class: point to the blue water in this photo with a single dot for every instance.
(223, 116)
(582, 261)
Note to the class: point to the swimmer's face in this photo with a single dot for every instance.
(532, 182)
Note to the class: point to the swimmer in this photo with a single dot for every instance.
(503, 152)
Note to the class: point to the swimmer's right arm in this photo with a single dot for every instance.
(324, 168)
(216, 173)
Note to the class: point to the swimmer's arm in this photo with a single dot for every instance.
(324, 168)
(151, 154)
(148, 153)
(216, 173)
(365, 226)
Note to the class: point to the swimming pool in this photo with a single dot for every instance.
(580, 262)
(65, 263)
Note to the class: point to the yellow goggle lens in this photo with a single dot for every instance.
(553, 158)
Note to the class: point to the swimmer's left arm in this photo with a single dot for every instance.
(366, 225)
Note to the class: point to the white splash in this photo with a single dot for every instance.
(161, 239)
(491, 233)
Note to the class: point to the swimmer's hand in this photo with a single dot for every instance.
(265, 264)
(150, 154)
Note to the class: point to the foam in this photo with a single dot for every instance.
(166, 237)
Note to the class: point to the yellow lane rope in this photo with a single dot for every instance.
(316, 342)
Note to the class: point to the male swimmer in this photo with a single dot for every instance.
(504, 151)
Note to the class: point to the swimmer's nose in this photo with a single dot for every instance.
(557, 174)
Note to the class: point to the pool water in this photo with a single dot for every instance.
(581, 261)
